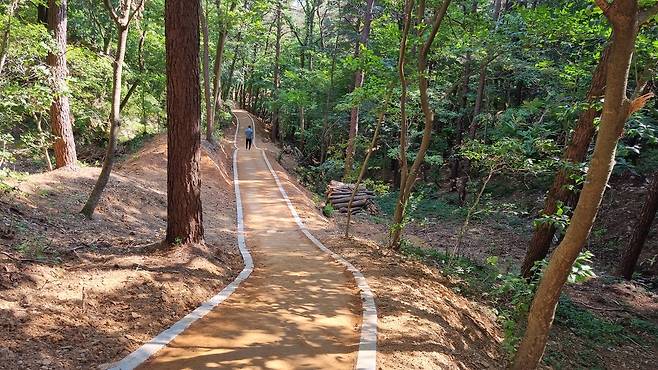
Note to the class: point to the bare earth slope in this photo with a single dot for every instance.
(97, 292)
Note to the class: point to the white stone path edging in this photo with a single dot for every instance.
(367, 356)
(147, 350)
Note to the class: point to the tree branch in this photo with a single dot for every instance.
(137, 9)
(110, 9)
(603, 5)
(438, 19)
(647, 14)
(126, 98)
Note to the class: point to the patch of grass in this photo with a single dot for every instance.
(328, 210)
(595, 334)
(137, 142)
(474, 278)
(426, 204)
(644, 326)
(36, 248)
(587, 325)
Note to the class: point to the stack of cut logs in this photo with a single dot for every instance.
(338, 195)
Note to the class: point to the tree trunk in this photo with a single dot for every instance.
(217, 86)
(231, 70)
(203, 18)
(461, 123)
(42, 14)
(129, 94)
(4, 44)
(115, 120)
(217, 70)
(358, 83)
(274, 134)
(184, 215)
(46, 155)
(616, 109)
(575, 153)
(641, 231)
(364, 165)
(327, 104)
(496, 10)
(60, 114)
(408, 177)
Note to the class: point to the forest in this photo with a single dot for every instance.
(433, 184)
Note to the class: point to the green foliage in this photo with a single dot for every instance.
(37, 248)
(328, 210)
(559, 220)
(426, 203)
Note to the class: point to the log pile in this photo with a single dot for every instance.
(339, 193)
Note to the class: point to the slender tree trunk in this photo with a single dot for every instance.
(217, 70)
(274, 134)
(327, 104)
(42, 14)
(408, 176)
(364, 165)
(60, 114)
(479, 98)
(641, 231)
(575, 153)
(184, 215)
(231, 70)
(115, 124)
(358, 83)
(46, 155)
(129, 94)
(217, 85)
(461, 123)
(203, 18)
(4, 44)
(622, 14)
(400, 205)
(496, 10)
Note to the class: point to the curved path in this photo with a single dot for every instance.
(299, 308)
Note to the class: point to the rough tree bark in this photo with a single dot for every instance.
(60, 113)
(623, 15)
(121, 20)
(408, 175)
(184, 216)
(641, 231)
(358, 83)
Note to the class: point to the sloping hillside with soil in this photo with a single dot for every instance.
(75, 293)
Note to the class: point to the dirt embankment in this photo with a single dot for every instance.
(96, 290)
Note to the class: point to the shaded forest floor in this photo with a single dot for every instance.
(84, 293)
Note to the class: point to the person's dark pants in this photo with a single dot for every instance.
(248, 145)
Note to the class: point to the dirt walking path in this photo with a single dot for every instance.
(299, 309)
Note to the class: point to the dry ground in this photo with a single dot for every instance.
(99, 290)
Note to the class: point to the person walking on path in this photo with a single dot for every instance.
(249, 133)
